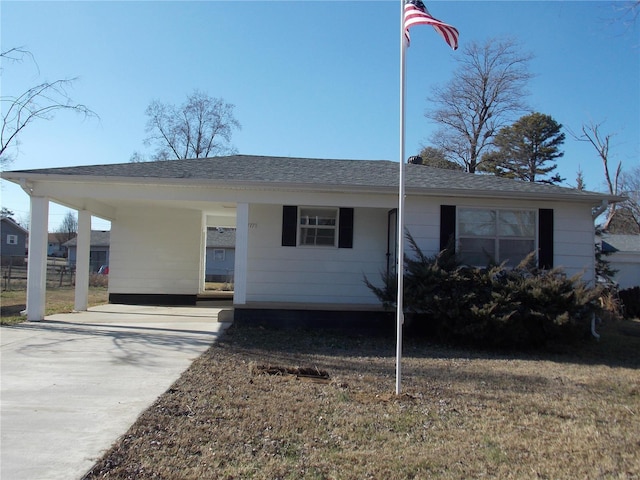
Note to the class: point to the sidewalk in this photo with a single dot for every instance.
(73, 383)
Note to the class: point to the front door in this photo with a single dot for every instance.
(392, 241)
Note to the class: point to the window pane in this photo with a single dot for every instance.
(476, 222)
(325, 236)
(514, 251)
(476, 251)
(317, 216)
(317, 236)
(516, 223)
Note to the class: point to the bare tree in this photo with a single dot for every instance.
(592, 134)
(487, 90)
(629, 185)
(68, 229)
(200, 127)
(628, 12)
(39, 102)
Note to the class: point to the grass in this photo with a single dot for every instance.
(462, 414)
(59, 300)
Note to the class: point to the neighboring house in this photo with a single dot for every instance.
(623, 255)
(307, 230)
(98, 250)
(221, 254)
(14, 240)
(56, 247)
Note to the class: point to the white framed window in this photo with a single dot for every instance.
(318, 226)
(218, 255)
(12, 239)
(498, 235)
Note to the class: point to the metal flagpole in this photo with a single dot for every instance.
(416, 14)
(400, 259)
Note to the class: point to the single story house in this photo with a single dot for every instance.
(307, 230)
(98, 250)
(623, 254)
(56, 247)
(13, 241)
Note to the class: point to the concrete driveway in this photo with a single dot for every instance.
(73, 383)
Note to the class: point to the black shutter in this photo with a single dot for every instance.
(289, 225)
(545, 238)
(345, 228)
(447, 225)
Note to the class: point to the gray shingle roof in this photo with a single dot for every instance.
(99, 238)
(620, 243)
(221, 237)
(14, 224)
(251, 169)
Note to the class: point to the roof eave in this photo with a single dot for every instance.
(22, 179)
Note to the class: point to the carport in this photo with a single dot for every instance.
(173, 241)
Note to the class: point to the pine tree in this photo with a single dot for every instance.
(526, 150)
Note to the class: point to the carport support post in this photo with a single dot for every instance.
(82, 261)
(37, 263)
(242, 246)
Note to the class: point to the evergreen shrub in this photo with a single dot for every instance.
(496, 306)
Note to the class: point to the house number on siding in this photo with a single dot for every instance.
(253, 225)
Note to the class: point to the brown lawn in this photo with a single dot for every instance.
(59, 300)
(238, 414)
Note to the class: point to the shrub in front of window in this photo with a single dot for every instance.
(496, 306)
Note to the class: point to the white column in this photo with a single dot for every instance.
(82, 261)
(242, 246)
(37, 266)
(203, 253)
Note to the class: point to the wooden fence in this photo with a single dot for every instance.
(14, 273)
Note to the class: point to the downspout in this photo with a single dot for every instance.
(593, 327)
(598, 211)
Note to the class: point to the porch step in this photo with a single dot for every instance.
(215, 298)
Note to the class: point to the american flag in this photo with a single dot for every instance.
(415, 13)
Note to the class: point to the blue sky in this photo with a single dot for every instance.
(307, 78)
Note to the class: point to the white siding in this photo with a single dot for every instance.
(574, 244)
(156, 251)
(573, 229)
(422, 221)
(314, 274)
(627, 265)
(332, 275)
